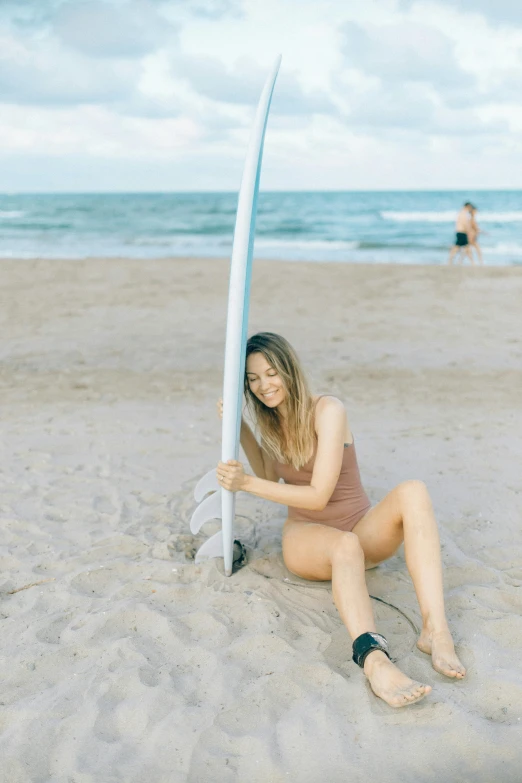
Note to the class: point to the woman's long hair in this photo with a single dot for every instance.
(296, 447)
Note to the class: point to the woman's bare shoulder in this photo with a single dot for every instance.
(330, 415)
(325, 402)
(329, 408)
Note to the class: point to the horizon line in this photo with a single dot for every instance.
(232, 192)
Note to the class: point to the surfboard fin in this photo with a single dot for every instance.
(210, 508)
(213, 547)
(208, 483)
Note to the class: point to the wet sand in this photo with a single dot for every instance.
(126, 662)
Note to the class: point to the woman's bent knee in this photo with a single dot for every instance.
(347, 548)
(414, 488)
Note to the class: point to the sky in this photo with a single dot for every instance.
(143, 95)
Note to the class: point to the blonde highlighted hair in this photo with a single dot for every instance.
(296, 447)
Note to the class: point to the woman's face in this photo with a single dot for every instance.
(264, 382)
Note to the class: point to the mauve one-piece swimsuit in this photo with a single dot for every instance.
(348, 503)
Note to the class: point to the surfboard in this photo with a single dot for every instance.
(220, 504)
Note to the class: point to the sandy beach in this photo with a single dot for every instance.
(123, 662)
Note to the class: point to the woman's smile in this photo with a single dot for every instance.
(270, 398)
(264, 381)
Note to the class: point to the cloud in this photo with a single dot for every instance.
(505, 10)
(379, 108)
(28, 14)
(86, 53)
(212, 9)
(95, 131)
(406, 76)
(167, 88)
(45, 76)
(243, 85)
(494, 10)
(103, 29)
(403, 52)
(36, 14)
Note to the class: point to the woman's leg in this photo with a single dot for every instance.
(479, 252)
(318, 552)
(406, 514)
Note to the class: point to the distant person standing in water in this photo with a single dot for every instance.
(473, 233)
(463, 228)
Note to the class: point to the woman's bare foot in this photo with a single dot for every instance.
(442, 650)
(390, 684)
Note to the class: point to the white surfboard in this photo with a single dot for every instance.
(221, 504)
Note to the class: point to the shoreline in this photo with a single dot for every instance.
(259, 260)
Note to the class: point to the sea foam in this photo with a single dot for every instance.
(449, 216)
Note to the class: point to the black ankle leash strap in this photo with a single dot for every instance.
(365, 644)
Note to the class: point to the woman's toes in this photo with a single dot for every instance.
(449, 668)
(443, 655)
(410, 697)
(391, 685)
(422, 690)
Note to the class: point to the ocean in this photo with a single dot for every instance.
(396, 227)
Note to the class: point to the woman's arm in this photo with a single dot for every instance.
(259, 460)
(257, 457)
(331, 426)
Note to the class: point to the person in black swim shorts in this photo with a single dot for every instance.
(463, 227)
(462, 239)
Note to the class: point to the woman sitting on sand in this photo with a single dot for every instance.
(331, 531)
